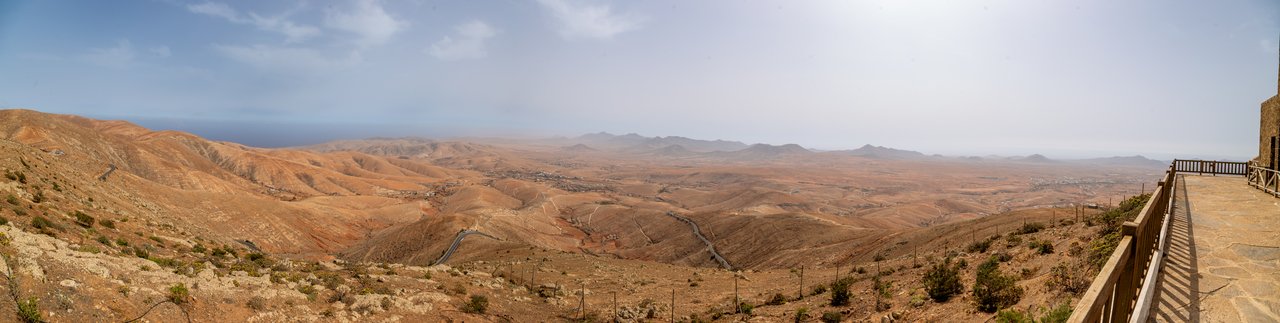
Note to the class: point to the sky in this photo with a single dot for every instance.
(1161, 78)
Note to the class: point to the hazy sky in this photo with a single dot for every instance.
(1069, 78)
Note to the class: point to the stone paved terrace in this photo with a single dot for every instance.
(1223, 260)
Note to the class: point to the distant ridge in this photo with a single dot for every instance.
(578, 147)
(881, 152)
(1136, 160)
(636, 143)
(764, 151)
(1034, 158)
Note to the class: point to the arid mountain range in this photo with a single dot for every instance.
(623, 200)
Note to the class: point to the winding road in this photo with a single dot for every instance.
(110, 168)
(458, 241)
(697, 232)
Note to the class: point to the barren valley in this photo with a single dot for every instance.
(409, 229)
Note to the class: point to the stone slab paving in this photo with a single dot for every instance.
(1223, 258)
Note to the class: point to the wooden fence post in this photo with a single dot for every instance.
(1122, 303)
(737, 304)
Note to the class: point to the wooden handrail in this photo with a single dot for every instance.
(1125, 283)
(1211, 167)
(1265, 179)
(1113, 295)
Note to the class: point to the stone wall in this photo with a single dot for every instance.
(1269, 128)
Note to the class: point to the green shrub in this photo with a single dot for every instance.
(108, 223)
(745, 308)
(777, 299)
(13, 200)
(1013, 316)
(83, 220)
(38, 197)
(1030, 228)
(4, 221)
(943, 281)
(122, 242)
(832, 317)
(802, 314)
(840, 292)
(993, 290)
(819, 289)
(1002, 256)
(44, 225)
(1057, 314)
(309, 290)
(477, 305)
(257, 303)
(1045, 247)
(29, 311)
(1100, 249)
(980, 246)
(178, 293)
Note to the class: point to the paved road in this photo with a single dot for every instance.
(110, 168)
(697, 232)
(457, 241)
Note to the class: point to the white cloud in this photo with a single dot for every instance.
(368, 20)
(160, 51)
(216, 9)
(292, 32)
(285, 58)
(468, 44)
(579, 21)
(120, 56)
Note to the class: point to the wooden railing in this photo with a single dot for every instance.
(1267, 180)
(1124, 287)
(1210, 167)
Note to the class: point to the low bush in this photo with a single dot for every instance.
(978, 246)
(802, 314)
(1044, 248)
(1032, 227)
(832, 317)
(477, 305)
(1056, 314)
(840, 292)
(44, 226)
(1014, 316)
(993, 290)
(943, 281)
(777, 299)
(82, 219)
(257, 303)
(178, 294)
(819, 289)
(29, 311)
